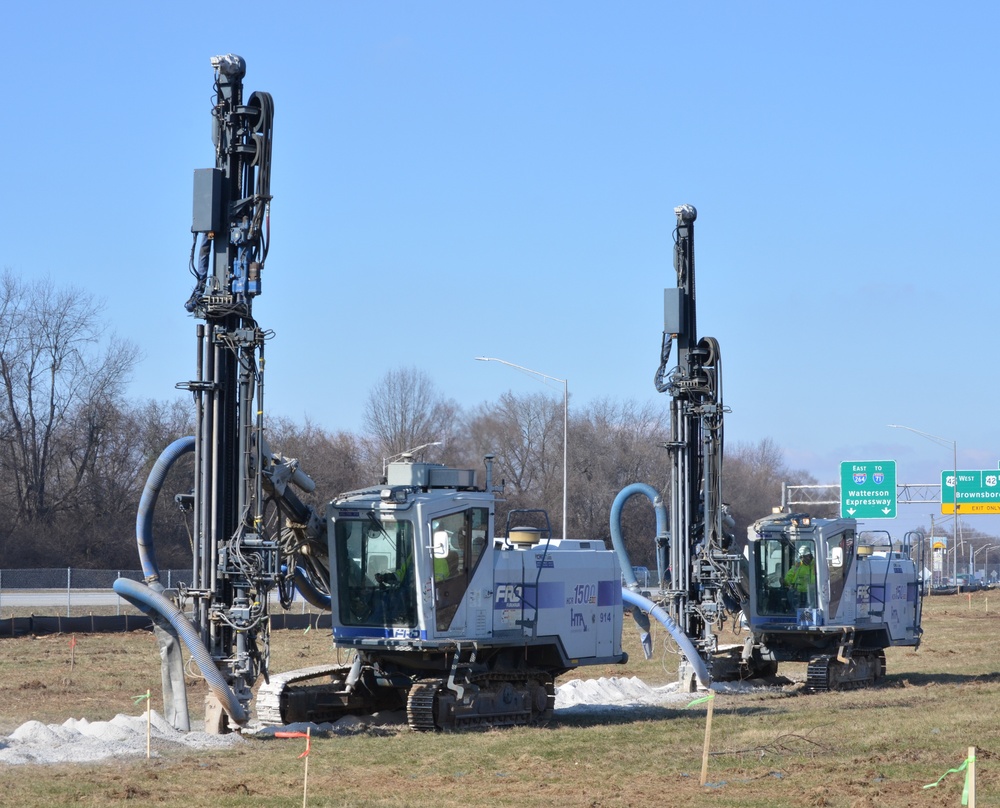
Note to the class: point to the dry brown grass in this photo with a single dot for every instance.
(854, 749)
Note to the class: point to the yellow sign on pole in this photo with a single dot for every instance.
(948, 508)
(975, 491)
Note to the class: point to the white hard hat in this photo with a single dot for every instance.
(805, 551)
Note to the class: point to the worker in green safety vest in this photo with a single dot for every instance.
(801, 580)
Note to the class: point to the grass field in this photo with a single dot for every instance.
(862, 748)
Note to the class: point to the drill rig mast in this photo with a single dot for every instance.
(805, 586)
(702, 571)
(459, 626)
(236, 560)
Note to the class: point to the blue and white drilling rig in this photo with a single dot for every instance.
(444, 615)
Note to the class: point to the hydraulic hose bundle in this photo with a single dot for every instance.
(170, 624)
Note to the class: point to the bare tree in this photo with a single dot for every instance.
(156, 425)
(752, 478)
(613, 445)
(524, 433)
(74, 453)
(405, 410)
(99, 529)
(62, 381)
(334, 461)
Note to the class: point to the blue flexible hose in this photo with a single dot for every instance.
(311, 594)
(616, 527)
(144, 516)
(657, 612)
(154, 603)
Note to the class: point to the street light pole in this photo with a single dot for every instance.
(565, 385)
(935, 573)
(954, 459)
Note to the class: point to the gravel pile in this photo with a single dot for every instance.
(83, 741)
(614, 691)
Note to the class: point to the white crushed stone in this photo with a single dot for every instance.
(348, 725)
(597, 695)
(614, 691)
(83, 741)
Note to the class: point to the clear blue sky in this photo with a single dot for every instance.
(461, 179)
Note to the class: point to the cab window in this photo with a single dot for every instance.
(375, 572)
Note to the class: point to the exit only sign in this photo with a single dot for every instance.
(978, 491)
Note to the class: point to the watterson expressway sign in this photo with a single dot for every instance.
(868, 489)
(975, 491)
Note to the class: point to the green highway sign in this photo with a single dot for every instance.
(868, 489)
(978, 491)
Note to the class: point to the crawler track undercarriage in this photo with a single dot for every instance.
(484, 701)
(865, 668)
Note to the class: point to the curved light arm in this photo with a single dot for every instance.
(519, 367)
(937, 439)
(944, 442)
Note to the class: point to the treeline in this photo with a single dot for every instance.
(75, 452)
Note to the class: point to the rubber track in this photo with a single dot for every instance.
(818, 672)
(268, 705)
(420, 704)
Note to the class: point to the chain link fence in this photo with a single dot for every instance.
(73, 590)
(77, 578)
(72, 600)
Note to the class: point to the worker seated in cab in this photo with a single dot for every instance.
(801, 580)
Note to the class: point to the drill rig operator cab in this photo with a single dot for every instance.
(786, 577)
(823, 593)
(389, 580)
(404, 553)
